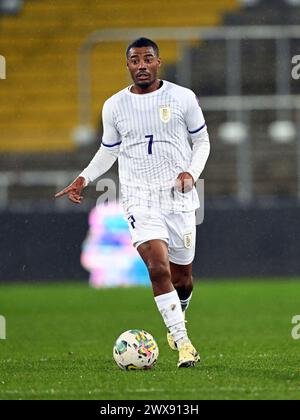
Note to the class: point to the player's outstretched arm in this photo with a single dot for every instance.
(74, 191)
(101, 162)
(99, 165)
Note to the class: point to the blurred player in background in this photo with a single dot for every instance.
(147, 127)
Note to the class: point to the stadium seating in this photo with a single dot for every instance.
(274, 166)
(39, 106)
(38, 109)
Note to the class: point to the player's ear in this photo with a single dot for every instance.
(159, 61)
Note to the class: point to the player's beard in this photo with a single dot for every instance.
(145, 85)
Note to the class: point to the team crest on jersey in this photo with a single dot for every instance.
(165, 114)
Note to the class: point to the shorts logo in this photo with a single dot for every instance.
(165, 114)
(188, 240)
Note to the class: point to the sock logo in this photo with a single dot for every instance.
(2, 67)
(173, 307)
(2, 328)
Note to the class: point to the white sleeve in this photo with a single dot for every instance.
(99, 165)
(109, 150)
(201, 150)
(111, 137)
(194, 117)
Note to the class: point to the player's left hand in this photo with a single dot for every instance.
(185, 182)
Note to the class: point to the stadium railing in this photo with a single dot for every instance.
(233, 36)
(239, 109)
(231, 108)
(235, 106)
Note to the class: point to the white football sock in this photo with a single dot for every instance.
(170, 308)
(185, 303)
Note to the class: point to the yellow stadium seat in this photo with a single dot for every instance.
(39, 98)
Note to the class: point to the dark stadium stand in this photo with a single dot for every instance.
(266, 12)
(274, 165)
(10, 7)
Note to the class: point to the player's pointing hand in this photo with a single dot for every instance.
(73, 191)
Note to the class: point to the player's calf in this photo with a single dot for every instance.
(182, 280)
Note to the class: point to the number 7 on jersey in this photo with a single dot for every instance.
(150, 137)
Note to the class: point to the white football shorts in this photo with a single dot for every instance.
(177, 229)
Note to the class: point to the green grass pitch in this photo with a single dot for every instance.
(60, 338)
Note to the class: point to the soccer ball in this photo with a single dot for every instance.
(135, 350)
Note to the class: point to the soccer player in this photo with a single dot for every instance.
(147, 127)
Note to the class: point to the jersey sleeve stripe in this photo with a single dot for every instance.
(111, 145)
(198, 129)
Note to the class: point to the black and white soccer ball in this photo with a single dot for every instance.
(135, 350)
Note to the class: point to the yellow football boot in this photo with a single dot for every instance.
(171, 342)
(188, 355)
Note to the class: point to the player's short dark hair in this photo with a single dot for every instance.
(143, 42)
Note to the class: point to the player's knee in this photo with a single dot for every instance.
(183, 281)
(159, 272)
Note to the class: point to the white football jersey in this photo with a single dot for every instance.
(151, 133)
